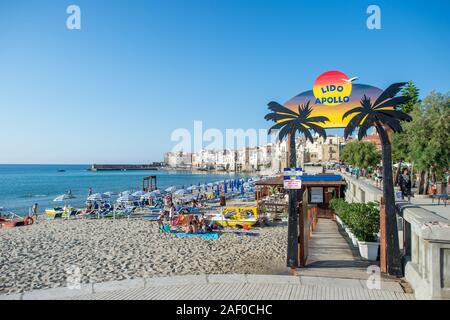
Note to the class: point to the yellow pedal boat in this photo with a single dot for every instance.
(235, 216)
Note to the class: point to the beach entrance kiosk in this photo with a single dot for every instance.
(149, 183)
(313, 203)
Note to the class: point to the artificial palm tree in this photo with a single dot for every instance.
(383, 114)
(289, 122)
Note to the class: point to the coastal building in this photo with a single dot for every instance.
(178, 159)
(272, 157)
(374, 138)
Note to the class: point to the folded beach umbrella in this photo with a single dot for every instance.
(171, 189)
(224, 187)
(97, 197)
(179, 192)
(127, 198)
(139, 193)
(63, 197)
(110, 193)
(125, 192)
(152, 194)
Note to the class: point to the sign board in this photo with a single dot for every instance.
(333, 94)
(316, 194)
(292, 178)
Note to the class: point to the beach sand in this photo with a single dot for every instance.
(43, 255)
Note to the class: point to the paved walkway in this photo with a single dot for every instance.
(223, 287)
(331, 254)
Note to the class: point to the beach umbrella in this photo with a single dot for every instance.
(210, 184)
(224, 187)
(192, 188)
(97, 197)
(63, 197)
(110, 193)
(179, 192)
(242, 190)
(139, 193)
(171, 189)
(125, 193)
(127, 198)
(152, 194)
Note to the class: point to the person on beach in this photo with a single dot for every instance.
(34, 210)
(172, 212)
(89, 191)
(405, 184)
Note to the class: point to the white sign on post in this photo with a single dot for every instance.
(292, 178)
(316, 194)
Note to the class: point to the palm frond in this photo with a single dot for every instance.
(396, 114)
(353, 124)
(362, 132)
(276, 107)
(394, 102)
(390, 122)
(389, 93)
(277, 126)
(320, 119)
(278, 117)
(285, 131)
(349, 112)
(318, 129)
(307, 134)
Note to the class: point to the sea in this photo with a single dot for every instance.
(23, 185)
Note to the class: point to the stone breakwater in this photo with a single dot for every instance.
(46, 254)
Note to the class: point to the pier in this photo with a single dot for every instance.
(123, 167)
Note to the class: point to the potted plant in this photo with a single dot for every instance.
(366, 225)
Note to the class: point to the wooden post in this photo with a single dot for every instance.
(303, 228)
(383, 256)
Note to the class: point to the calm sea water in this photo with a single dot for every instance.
(23, 185)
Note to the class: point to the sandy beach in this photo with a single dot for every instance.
(42, 255)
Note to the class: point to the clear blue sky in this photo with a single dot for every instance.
(115, 90)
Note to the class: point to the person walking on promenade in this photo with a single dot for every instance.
(405, 184)
(378, 177)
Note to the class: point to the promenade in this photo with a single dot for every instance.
(223, 287)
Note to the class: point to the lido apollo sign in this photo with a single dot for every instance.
(333, 94)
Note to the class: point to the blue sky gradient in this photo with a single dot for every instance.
(115, 90)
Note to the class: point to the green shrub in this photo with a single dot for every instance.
(363, 219)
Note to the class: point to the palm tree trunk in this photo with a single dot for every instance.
(397, 173)
(420, 183)
(292, 250)
(392, 243)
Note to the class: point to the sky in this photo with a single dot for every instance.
(114, 91)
